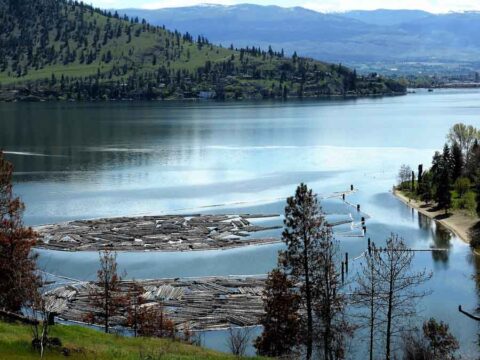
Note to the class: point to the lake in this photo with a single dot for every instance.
(88, 160)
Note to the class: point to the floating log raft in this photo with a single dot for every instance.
(201, 304)
(155, 233)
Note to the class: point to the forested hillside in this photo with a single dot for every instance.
(58, 49)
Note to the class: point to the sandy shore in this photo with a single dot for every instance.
(458, 222)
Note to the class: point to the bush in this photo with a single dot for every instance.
(466, 202)
(462, 186)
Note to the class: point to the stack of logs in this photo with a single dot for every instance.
(202, 303)
(157, 233)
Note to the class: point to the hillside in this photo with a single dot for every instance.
(367, 40)
(58, 49)
(83, 343)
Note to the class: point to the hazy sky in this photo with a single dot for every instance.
(437, 6)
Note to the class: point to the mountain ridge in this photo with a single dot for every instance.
(354, 38)
(59, 49)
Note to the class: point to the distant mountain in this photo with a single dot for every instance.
(59, 49)
(384, 17)
(354, 37)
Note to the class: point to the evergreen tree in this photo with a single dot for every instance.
(444, 181)
(304, 225)
(457, 161)
(281, 323)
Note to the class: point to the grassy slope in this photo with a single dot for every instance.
(136, 58)
(85, 343)
(143, 46)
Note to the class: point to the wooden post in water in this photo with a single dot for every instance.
(343, 269)
(358, 207)
(343, 196)
(346, 262)
(351, 187)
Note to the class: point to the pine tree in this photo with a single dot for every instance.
(310, 262)
(444, 180)
(457, 162)
(281, 320)
(304, 224)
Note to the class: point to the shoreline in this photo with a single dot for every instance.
(38, 98)
(459, 224)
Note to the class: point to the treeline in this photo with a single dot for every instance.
(58, 49)
(453, 180)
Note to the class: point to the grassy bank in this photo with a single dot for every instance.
(83, 343)
(458, 221)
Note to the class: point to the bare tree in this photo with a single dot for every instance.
(464, 136)
(238, 340)
(105, 294)
(404, 176)
(398, 288)
(367, 297)
(42, 310)
(134, 301)
(331, 325)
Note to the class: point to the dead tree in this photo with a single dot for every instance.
(238, 340)
(42, 311)
(331, 325)
(367, 297)
(134, 301)
(105, 294)
(398, 288)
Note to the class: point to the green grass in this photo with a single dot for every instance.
(86, 343)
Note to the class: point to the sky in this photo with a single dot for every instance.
(435, 6)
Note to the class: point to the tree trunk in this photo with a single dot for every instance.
(372, 313)
(308, 296)
(389, 317)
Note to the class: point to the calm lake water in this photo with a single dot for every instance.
(87, 160)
